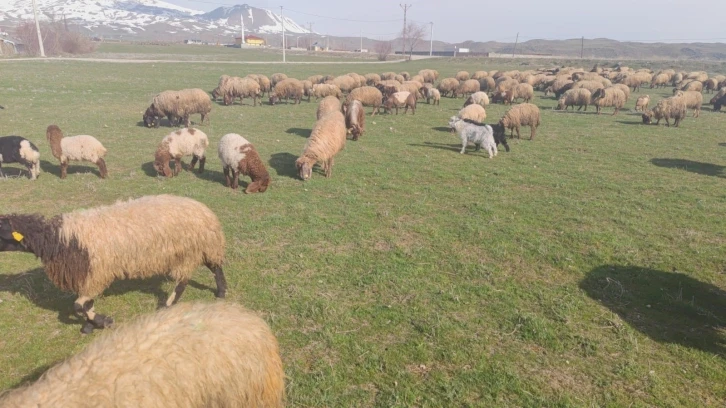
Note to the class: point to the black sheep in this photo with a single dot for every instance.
(16, 149)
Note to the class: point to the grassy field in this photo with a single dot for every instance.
(584, 268)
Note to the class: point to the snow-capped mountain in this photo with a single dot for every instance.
(148, 18)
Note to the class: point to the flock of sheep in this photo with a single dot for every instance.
(195, 351)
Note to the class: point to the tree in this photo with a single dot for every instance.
(384, 49)
(413, 34)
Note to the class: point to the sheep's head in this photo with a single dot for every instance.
(453, 121)
(561, 104)
(304, 168)
(647, 117)
(149, 118)
(499, 134)
(259, 186)
(274, 99)
(598, 94)
(10, 239)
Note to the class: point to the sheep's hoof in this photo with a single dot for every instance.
(87, 328)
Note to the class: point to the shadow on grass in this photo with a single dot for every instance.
(54, 169)
(442, 129)
(668, 307)
(299, 131)
(33, 376)
(284, 164)
(706, 169)
(625, 122)
(163, 123)
(207, 174)
(442, 146)
(14, 172)
(722, 144)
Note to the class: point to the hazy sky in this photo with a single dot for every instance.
(460, 20)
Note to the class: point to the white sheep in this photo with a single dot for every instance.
(239, 156)
(76, 148)
(177, 144)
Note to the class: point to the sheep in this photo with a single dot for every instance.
(17, 149)
(355, 119)
(631, 80)
(559, 86)
(276, 78)
(399, 78)
(324, 90)
(523, 91)
(608, 97)
(150, 118)
(346, 83)
(239, 156)
(625, 89)
(487, 84)
(435, 95)
(479, 75)
(660, 80)
(307, 88)
(473, 112)
(673, 107)
(265, 84)
(710, 85)
(400, 100)
(388, 87)
(412, 87)
(76, 148)
(86, 250)
(388, 75)
(237, 87)
(315, 79)
(429, 75)
(417, 78)
(474, 132)
(718, 102)
(720, 94)
(676, 78)
(448, 86)
(505, 97)
(175, 145)
(524, 114)
(326, 140)
(369, 96)
(327, 105)
(478, 98)
(693, 99)
(641, 105)
(181, 104)
(462, 76)
(219, 90)
(506, 84)
(575, 97)
(591, 86)
(372, 79)
(689, 86)
(699, 76)
(468, 86)
(287, 88)
(189, 355)
(406, 76)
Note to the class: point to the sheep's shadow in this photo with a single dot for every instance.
(668, 307)
(722, 144)
(162, 123)
(442, 129)
(442, 146)
(207, 174)
(284, 164)
(212, 175)
(706, 169)
(32, 376)
(299, 131)
(13, 172)
(625, 122)
(54, 169)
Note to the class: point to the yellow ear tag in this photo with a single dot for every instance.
(18, 236)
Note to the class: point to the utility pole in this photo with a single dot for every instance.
(242, 24)
(405, 8)
(310, 36)
(582, 47)
(283, 35)
(37, 28)
(515, 45)
(431, 49)
(361, 41)
(65, 22)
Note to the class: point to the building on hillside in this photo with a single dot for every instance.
(250, 40)
(8, 47)
(193, 41)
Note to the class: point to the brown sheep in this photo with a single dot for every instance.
(355, 119)
(369, 96)
(239, 156)
(524, 114)
(287, 88)
(608, 97)
(326, 140)
(400, 100)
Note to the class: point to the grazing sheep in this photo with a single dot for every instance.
(524, 114)
(307, 88)
(417, 78)
(693, 99)
(239, 156)
(710, 85)
(327, 105)
(506, 84)
(522, 91)
(399, 78)
(448, 86)
(324, 90)
(558, 87)
(479, 75)
(326, 140)
(241, 88)
(719, 95)
(608, 97)
(474, 132)
(473, 112)
(150, 118)
(462, 76)
(17, 149)
(690, 86)
(346, 83)
(429, 75)
(369, 96)
(372, 79)
(189, 355)
(575, 97)
(181, 104)
(699, 76)
(276, 78)
(315, 79)
(660, 80)
(505, 97)
(355, 119)
(287, 88)
(75, 148)
(433, 94)
(400, 100)
(388, 76)
(591, 86)
(85, 251)
(478, 98)
(175, 145)
(406, 76)
(388, 87)
(487, 84)
(641, 105)
(264, 82)
(668, 108)
(219, 90)
(467, 87)
(718, 103)
(625, 89)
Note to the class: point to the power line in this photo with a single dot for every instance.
(344, 19)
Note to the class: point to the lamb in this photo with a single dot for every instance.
(239, 156)
(608, 97)
(324, 90)
(175, 145)
(287, 88)
(355, 119)
(462, 76)
(473, 112)
(524, 114)
(694, 100)
(467, 87)
(523, 91)
(478, 98)
(400, 100)
(327, 105)
(189, 355)
(180, 104)
(368, 95)
(474, 132)
(326, 140)
(718, 103)
(276, 78)
(17, 149)
(673, 107)
(448, 86)
(641, 105)
(241, 88)
(86, 250)
(76, 148)
(719, 95)
(575, 97)
(433, 94)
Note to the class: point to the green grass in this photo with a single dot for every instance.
(583, 268)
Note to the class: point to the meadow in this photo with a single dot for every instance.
(584, 268)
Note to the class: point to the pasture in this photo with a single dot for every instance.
(583, 268)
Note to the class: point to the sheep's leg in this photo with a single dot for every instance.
(235, 179)
(226, 176)
(178, 290)
(533, 130)
(195, 158)
(1, 170)
(615, 112)
(102, 168)
(463, 146)
(329, 167)
(177, 166)
(83, 306)
(64, 169)
(219, 278)
(518, 135)
(202, 160)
